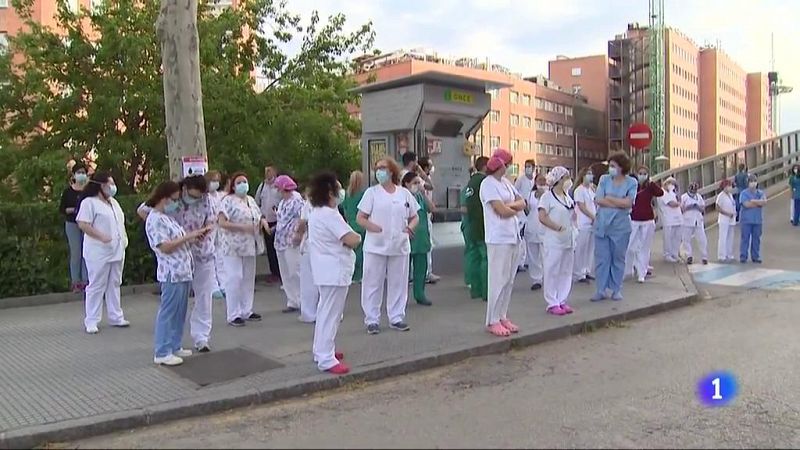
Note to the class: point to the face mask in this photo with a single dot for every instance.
(382, 175)
(82, 178)
(110, 190)
(643, 178)
(430, 172)
(342, 195)
(795, 170)
(213, 186)
(242, 189)
(588, 178)
(529, 171)
(567, 185)
(670, 188)
(189, 200)
(414, 188)
(613, 171)
(171, 207)
(752, 184)
(728, 189)
(692, 191)
(542, 187)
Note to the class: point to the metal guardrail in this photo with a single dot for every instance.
(771, 160)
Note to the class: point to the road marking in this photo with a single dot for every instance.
(746, 276)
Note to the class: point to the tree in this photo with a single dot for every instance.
(95, 91)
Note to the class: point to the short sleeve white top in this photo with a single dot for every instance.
(304, 213)
(692, 217)
(559, 210)
(498, 230)
(332, 264)
(107, 218)
(671, 216)
(524, 186)
(584, 195)
(725, 202)
(243, 211)
(533, 228)
(391, 212)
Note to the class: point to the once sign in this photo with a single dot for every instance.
(640, 135)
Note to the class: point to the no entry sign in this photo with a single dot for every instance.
(640, 135)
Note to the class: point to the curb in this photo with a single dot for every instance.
(108, 423)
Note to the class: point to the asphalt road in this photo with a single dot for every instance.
(630, 386)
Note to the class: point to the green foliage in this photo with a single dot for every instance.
(94, 92)
(35, 254)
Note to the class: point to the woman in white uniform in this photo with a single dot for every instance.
(534, 233)
(671, 219)
(501, 206)
(240, 223)
(555, 214)
(389, 214)
(330, 242)
(103, 223)
(694, 207)
(726, 219)
(585, 211)
(309, 293)
(215, 195)
(288, 214)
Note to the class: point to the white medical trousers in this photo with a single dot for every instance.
(673, 235)
(558, 270)
(725, 244)
(534, 259)
(219, 266)
(105, 278)
(289, 265)
(698, 232)
(503, 260)
(430, 253)
(638, 255)
(240, 286)
(584, 254)
(391, 271)
(331, 308)
(309, 292)
(203, 283)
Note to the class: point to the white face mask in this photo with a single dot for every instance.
(542, 187)
(414, 188)
(670, 188)
(752, 184)
(567, 185)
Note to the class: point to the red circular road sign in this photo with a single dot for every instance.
(640, 135)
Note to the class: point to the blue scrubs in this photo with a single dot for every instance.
(612, 231)
(752, 220)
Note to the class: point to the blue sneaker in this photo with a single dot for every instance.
(617, 296)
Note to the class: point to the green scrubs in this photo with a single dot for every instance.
(420, 247)
(478, 262)
(465, 234)
(350, 207)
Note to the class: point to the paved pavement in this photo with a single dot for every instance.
(628, 386)
(61, 384)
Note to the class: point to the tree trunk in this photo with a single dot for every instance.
(183, 95)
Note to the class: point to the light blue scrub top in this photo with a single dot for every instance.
(613, 221)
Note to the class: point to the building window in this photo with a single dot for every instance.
(494, 93)
(514, 120)
(548, 126)
(526, 122)
(73, 5)
(540, 125)
(576, 71)
(559, 108)
(539, 147)
(548, 150)
(514, 97)
(576, 89)
(3, 3)
(495, 116)
(568, 110)
(494, 142)
(568, 131)
(526, 99)
(539, 103)
(3, 42)
(513, 170)
(548, 106)
(559, 129)
(526, 146)
(514, 145)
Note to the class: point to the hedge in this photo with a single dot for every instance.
(34, 255)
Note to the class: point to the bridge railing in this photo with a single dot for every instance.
(771, 160)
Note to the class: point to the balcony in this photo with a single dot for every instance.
(614, 51)
(614, 72)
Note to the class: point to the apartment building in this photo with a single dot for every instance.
(534, 118)
(585, 75)
(758, 108)
(723, 112)
(682, 104)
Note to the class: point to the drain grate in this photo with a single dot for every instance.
(223, 365)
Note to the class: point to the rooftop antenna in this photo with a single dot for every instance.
(776, 88)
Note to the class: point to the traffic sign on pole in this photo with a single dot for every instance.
(640, 135)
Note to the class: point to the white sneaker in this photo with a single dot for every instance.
(182, 353)
(92, 330)
(122, 324)
(169, 360)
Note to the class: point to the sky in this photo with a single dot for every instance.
(523, 35)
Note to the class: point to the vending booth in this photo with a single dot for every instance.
(431, 114)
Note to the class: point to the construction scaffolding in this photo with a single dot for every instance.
(657, 81)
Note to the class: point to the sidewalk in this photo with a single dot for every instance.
(62, 384)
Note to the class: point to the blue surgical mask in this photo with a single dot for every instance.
(171, 207)
(340, 197)
(613, 171)
(189, 200)
(242, 189)
(213, 186)
(383, 176)
(110, 190)
(588, 178)
(81, 178)
(528, 170)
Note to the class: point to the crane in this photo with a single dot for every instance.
(657, 80)
(776, 88)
